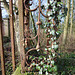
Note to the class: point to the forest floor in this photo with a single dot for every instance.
(65, 60)
(8, 56)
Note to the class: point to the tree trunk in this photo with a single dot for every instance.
(66, 24)
(71, 19)
(21, 29)
(32, 19)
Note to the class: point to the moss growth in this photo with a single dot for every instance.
(18, 72)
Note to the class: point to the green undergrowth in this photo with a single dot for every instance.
(6, 39)
(66, 64)
(18, 72)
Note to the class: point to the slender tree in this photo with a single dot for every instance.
(71, 18)
(32, 19)
(66, 24)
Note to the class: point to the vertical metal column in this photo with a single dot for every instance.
(21, 29)
(1, 44)
(26, 23)
(12, 32)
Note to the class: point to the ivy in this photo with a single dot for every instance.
(38, 67)
(46, 63)
(56, 6)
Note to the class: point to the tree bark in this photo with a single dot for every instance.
(32, 19)
(21, 30)
(71, 18)
(66, 24)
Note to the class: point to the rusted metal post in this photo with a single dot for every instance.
(21, 29)
(48, 39)
(26, 23)
(1, 44)
(39, 23)
(12, 32)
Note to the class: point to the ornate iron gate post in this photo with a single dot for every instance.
(25, 37)
(1, 44)
(27, 10)
(26, 24)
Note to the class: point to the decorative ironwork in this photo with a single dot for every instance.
(27, 38)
